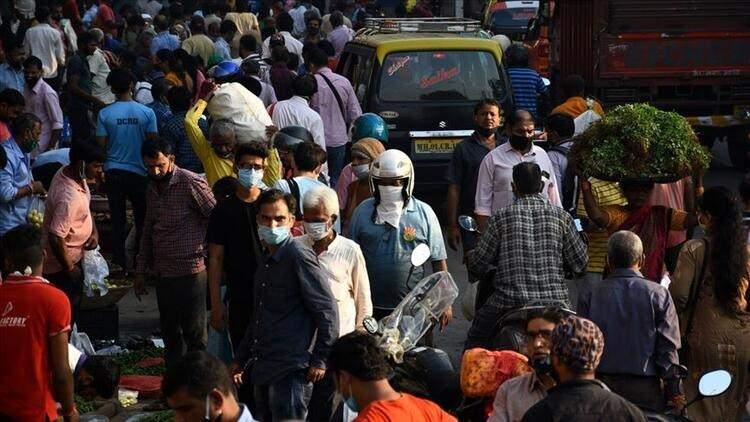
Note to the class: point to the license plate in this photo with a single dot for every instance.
(435, 146)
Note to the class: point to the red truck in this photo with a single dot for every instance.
(690, 56)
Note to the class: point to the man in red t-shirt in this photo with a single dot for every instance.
(361, 372)
(34, 325)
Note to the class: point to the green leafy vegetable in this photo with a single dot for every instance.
(84, 406)
(163, 416)
(128, 361)
(638, 141)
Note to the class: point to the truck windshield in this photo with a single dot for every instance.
(513, 18)
(440, 76)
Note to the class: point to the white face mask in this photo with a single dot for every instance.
(317, 231)
(361, 170)
(391, 205)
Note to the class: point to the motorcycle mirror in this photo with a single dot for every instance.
(467, 223)
(714, 383)
(370, 324)
(420, 255)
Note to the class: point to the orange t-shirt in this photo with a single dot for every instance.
(407, 408)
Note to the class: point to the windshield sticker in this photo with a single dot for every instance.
(440, 76)
(398, 64)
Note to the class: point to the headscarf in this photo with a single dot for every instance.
(368, 148)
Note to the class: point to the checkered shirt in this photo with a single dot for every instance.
(174, 131)
(529, 242)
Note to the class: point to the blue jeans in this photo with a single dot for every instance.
(286, 399)
(336, 159)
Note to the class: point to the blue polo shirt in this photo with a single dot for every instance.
(387, 251)
(125, 124)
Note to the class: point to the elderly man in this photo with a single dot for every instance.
(494, 190)
(173, 246)
(517, 395)
(217, 155)
(530, 243)
(577, 346)
(346, 272)
(640, 326)
(295, 321)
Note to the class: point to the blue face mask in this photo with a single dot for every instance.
(273, 236)
(249, 177)
(351, 403)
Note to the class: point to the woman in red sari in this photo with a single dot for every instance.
(651, 223)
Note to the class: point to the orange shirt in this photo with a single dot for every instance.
(407, 408)
(575, 106)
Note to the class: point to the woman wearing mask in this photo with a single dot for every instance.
(363, 153)
(709, 288)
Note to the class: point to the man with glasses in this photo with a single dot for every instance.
(517, 395)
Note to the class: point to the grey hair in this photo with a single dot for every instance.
(322, 196)
(221, 127)
(624, 249)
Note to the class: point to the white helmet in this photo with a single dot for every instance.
(503, 40)
(392, 164)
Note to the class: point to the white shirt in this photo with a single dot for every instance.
(296, 111)
(99, 72)
(45, 42)
(267, 93)
(346, 272)
(494, 189)
(292, 45)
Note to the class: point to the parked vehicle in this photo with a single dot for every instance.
(690, 57)
(510, 18)
(423, 77)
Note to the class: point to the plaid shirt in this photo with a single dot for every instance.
(173, 243)
(174, 131)
(529, 242)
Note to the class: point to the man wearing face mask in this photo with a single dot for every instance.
(494, 190)
(363, 153)
(68, 228)
(389, 226)
(517, 395)
(346, 272)
(179, 204)
(234, 245)
(16, 184)
(295, 318)
(42, 101)
(361, 371)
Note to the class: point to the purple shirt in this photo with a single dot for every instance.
(339, 37)
(42, 101)
(325, 103)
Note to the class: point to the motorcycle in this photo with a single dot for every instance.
(419, 370)
(711, 384)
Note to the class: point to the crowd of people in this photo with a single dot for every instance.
(295, 236)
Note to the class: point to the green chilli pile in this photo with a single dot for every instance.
(638, 141)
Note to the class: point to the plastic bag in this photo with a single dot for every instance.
(81, 341)
(234, 102)
(416, 313)
(586, 119)
(36, 211)
(484, 371)
(95, 272)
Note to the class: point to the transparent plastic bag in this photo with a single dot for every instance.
(95, 272)
(35, 216)
(416, 313)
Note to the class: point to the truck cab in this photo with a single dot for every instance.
(510, 18)
(423, 77)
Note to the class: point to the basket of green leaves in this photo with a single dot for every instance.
(638, 142)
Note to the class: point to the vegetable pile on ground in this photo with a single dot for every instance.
(146, 361)
(638, 141)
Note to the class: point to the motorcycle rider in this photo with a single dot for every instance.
(577, 346)
(389, 226)
(517, 395)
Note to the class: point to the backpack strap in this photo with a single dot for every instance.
(294, 190)
(335, 94)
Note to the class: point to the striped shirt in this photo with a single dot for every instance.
(527, 85)
(605, 193)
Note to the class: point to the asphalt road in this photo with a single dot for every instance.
(142, 318)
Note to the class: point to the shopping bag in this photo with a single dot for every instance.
(95, 272)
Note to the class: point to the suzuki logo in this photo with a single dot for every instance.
(8, 308)
(442, 124)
